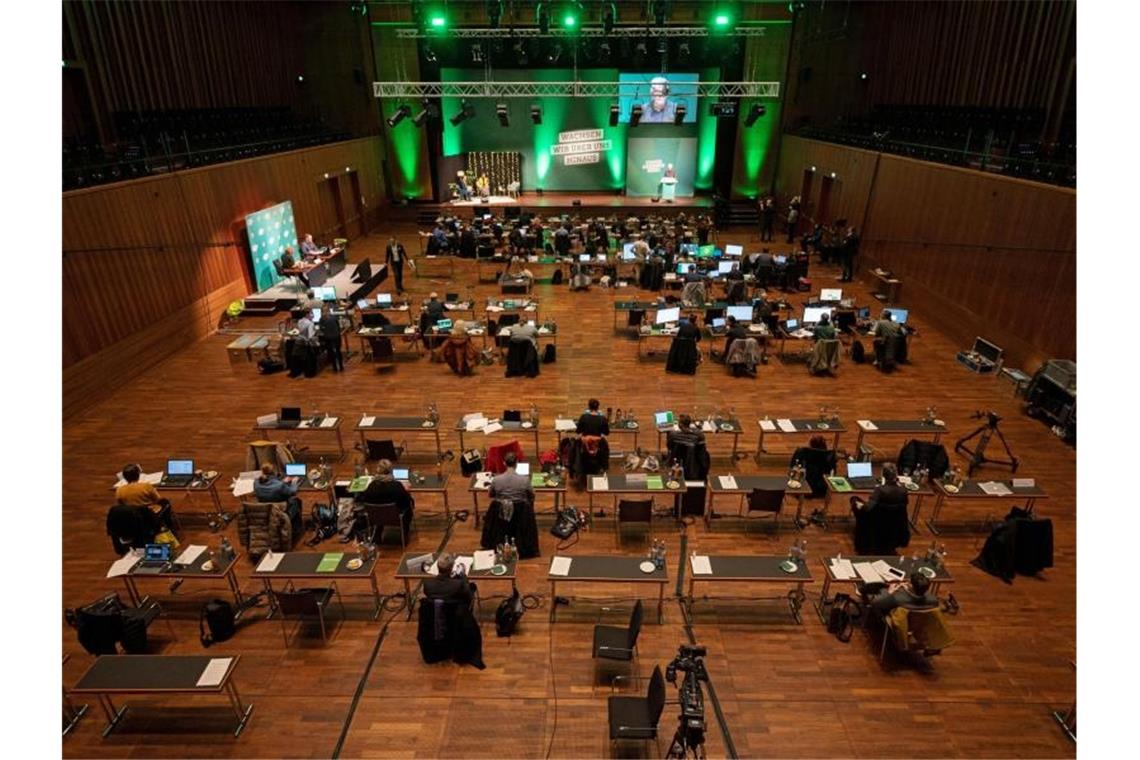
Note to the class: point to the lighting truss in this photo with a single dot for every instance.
(559, 89)
(480, 32)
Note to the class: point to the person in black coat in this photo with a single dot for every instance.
(445, 587)
(881, 523)
(593, 422)
(383, 489)
(330, 339)
(683, 353)
(915, 597)
(395, 255)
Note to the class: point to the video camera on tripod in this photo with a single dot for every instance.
(690, 734)
(984, 433)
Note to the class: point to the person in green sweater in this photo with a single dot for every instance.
(824, 330)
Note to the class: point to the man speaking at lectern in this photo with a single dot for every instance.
(668, 187)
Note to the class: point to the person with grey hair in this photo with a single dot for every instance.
(445, 586)
(659, 109)
(384, 489)
(509, 485)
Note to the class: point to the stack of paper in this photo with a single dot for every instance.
(843, 569)
(767, 425)
(483, 479)
(600, 483)
(994, 488)
(484, 560)
(786, 425)
(887, 572)
(701, 564)
(867, 572)
(728, 482)
(475, 423)
(270, 562)
(243, 484)
(1024, 482)
(123, 566)
(562, 426)
(367, 421)
(189, 554)
(466, 561)
(328, 422)
(560, 566)
(493, 427)
(215, 671)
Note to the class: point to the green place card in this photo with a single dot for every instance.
(330, 562)
(654, 482)
(537, 479)
(839, 484)
(359, 484)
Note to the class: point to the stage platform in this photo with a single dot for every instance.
(558, 203)
(289, 292)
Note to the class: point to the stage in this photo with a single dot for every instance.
(597, 202)
(290, 292)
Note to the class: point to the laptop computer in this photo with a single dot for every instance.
(865, 312)
(362, 304)
(296, 470)
(663, 418)
(791, 324)
(523, 468)
(718, 323)
(290, 417)
(451, 298)
(444, 324)
(156, 559)
(401, 473)
(512, 415)
(859, 471)
(179, 472)
(780, 260)
(383, 299)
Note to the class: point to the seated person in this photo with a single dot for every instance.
(525, 331)
(884, 332)
(461, 186)
(592, 421)
(270, 488)
(915, 597)
(287, 260)
(824, 330)
(734, 274)
(511, 486)
(692, 275)
(135, 493)
(308, 247)
(306, 327)
(444, 586)
(433, 311)
(686, 433)
(881, 523)
(735, 330)
(516, 270)
(384, 489)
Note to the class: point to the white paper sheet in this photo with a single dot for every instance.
(786, 425)
(867, 425)
(466, 560)
(328, 422)
(484, 559)
(866, 571)
(154, 478)
(1024, 482)
(367, 421)
(701, 564)
(886, 572)
(189, 554)
(492, 428)
(270, 562)
(476, 423)
(472, 416)
(563, 426)
(560, 566)
(123, 566)
(305, 424)
(994, 488)
(600, 483)
(267, 420)
(767, 425)
(843, 569)
(215, 671)
(728, 482)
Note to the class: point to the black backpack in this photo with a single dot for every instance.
(324, 523)
(549, 355)
(268, 366)
(858, 354)
(218, 616)
(507, 614)
(844, 611)
(556, 278)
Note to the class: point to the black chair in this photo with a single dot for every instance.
(305, 603)
(377, 517)
(522, 359)
(683, 356)
(767, 501)
(636, 718)
(629, 510)
(131, 527)
(618, 644)
(107, 623)
(818, 464)
(932, 455)
(449, 631)
(383, 449)
(694, 458)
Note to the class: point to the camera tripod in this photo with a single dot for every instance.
(685, 744)
(984, 433)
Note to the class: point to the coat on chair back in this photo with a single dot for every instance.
(264, 527)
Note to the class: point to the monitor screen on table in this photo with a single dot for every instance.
(295, 469)
(858, 469)
(523, 468)
(734, 250)
(831, 294)
(383, 299)
(668, 315)
(324, 293)
(813, 314)
(741, 313)
(627, 248)
(688, 249)
(899, 315)
(663, 418)
(718, 322)
(780, 259)
(400, 473)
(724, 267)
(180, 467)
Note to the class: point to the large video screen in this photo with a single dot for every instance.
(659, 95)
(270, 230)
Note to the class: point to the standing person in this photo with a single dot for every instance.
(330, 339)
(703, 228)
(395, 256)
(767, 219)
(592, 421)
(793, 219)
(849, 249)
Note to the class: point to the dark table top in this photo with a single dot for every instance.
(906, 564)
(754, 568)
(613, 568)
(621, 483)
(396, 423)
(304, 565)
(809, 426)
(314, 424)
(971, 489)
(150, 672)
(386, 330)
(747, 483)
(517, 427)
(194, 569)
(403, 571)
(905, 426)
(736, 427)
(866, 485)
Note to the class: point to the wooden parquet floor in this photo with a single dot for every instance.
(785, 689)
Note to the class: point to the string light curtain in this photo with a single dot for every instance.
(501, 167)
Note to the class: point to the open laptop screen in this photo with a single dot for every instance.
(179, 466)
(858, 469)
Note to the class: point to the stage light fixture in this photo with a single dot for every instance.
(609, 17)
(542, 18)
(477, 53)
(864, 76)
(724, 108)
(635, 115)
(402, 113)
(521, 53)
(466, 112)
(555, 53)
(503, 114)
(754, 113)
(721, 18)
(429, 54)
(494, 12)
(604, 51)
(679, 113)
(536, 113)
(641, 49)
(570, 14)
(684, 51)
(615, 114)
(662, 45)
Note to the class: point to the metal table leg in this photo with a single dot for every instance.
(235, 700)
(113, 715)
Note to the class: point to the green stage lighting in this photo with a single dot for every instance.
(569, 21)
(437, 21)
(721, 19)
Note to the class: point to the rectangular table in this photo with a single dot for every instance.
(719, 427)
(971, 490)
(906, 564)
(625, 427)
(408, 574)
(545, 335)
(898, 427)
(619, 485)
(405, 425)
(429, 483)
(156, 674)
(512, 429)
(864, 486)
(192, 572)
(404, 309)
(524, 308)
(610, 569)
(391, 331)
(558, 491)
(296, 566)
(200, 484)
(628, 306)
(423, 261)
(746, 484)
(308, 425)
(654, 334)
(755, 569)
(803, 426)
